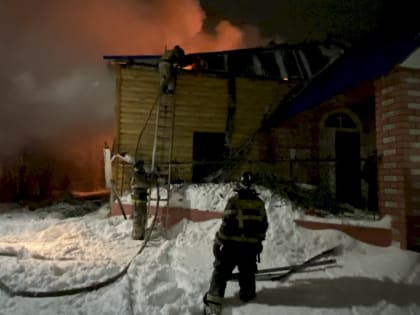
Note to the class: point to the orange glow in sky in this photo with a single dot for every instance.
(146, 27)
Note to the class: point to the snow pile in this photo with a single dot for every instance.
(212, 197)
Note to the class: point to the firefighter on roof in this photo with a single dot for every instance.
(168, 64)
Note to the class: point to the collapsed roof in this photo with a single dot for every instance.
(274, 61)
(364, 62)
(321, 70)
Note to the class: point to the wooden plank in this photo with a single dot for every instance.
(144, 76)
(136, 120)
(139, 109)
(139, 99)
(150, 92)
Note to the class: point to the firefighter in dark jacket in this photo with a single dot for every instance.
(238, 243)
(139, 186)
(170, 61)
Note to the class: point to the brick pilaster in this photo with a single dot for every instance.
(398, 144)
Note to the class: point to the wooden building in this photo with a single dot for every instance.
(217, 109)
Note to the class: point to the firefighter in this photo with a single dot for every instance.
(168, 64)
(140, 184)
(238, 243)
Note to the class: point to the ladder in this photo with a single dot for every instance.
(163, 144)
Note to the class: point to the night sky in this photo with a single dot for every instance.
(298, 20)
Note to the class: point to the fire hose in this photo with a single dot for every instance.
(101, 284)
(93, 286)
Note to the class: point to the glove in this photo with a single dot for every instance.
(259, 248)
(217, 249)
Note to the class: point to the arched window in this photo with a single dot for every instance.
(340, 120)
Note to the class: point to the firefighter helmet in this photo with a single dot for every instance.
(247, 179)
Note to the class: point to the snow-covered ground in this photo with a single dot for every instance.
(56, 248)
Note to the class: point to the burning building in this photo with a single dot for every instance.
(311, 113)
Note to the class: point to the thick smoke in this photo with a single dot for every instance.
(54, 83)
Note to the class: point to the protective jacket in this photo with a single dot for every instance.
(244, 219)
(168, 63)
(139, 187)
(173, 56)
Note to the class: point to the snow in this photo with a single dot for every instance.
(355, 219)
(66, 246)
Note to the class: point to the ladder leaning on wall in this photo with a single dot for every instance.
(163, 147)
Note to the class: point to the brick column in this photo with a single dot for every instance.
(397, 97)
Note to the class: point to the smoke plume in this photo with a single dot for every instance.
(55, 88)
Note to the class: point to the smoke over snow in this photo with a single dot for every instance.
(53, 81)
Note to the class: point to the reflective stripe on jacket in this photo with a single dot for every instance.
(139, 185)
(244, 220)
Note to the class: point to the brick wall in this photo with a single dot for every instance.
(398, 143)
(371, 235)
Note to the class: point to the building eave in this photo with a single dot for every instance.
(357, 65)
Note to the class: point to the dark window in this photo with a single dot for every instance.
(215, 62)
(208, 153)
(340, 120)
(241, 64)
(315, 58)
(291, 65)
(269, 64)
